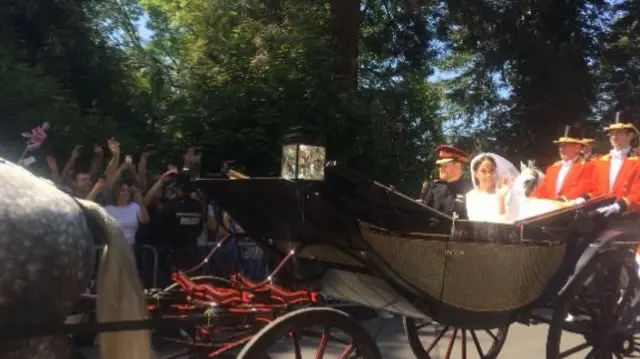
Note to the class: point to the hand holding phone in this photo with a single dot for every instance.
(128, 159)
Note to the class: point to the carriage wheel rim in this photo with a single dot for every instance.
(294, 323)
(470, 344)
(605, 313)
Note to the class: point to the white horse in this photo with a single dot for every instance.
(47, 251)
(520, 203)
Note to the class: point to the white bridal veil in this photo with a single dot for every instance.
(504, 168)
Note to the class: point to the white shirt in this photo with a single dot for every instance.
(564, 170)
(483, 207)
(127, 216)
(617, 158)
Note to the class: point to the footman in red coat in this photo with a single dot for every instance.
(617, 173)
(571, 177)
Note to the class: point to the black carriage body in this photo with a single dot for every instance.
(377, 247)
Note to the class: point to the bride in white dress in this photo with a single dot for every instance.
(492, 176)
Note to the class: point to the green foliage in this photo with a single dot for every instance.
(58, 67)
(619, 68)
(541, 51)
(28, 98)
(236, 75)
(250, 71)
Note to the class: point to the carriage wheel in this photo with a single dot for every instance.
(595, 315)
(483, 344)
(181, 340)
(338, 336)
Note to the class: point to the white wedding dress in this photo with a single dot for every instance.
(483, 206)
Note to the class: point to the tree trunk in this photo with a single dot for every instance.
(345, 26)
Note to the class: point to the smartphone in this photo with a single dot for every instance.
(128, 159)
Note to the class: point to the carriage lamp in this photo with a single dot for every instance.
(303, 155)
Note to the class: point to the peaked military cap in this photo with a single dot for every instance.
(446, 153)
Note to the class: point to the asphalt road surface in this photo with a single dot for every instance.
(523, 342)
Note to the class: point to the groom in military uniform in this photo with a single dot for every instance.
(447, 194)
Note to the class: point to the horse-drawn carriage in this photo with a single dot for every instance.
(357, 240)
(354, 239)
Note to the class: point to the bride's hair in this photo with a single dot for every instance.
(482, 160)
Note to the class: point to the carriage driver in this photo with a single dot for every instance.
(571, 177)
(447, 194)
(618, 173)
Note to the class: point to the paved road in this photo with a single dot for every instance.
(522, 343)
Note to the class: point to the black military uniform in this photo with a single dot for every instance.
(449, 196)
(181, 221)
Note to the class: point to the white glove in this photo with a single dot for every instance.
(577, 201)
(609, 210)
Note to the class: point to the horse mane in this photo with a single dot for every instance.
(530, 165)
(536, 176)
(521, 205)
(120, 292)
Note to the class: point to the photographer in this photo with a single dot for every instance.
(180, 224)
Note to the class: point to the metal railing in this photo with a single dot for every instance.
(147, 251)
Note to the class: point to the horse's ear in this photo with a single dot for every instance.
(522, 166)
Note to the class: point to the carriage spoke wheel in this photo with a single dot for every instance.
(312, 333)
(596, 313)
(430, 340)
(188, 343)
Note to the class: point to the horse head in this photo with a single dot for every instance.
(529, 179)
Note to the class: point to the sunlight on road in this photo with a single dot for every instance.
(522, 342)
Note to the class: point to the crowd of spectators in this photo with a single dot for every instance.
(160, 212)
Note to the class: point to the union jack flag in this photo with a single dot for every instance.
(36, 137)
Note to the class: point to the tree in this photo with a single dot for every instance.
(620, 62)
(543, 51)
(60, 41)
(252, 70)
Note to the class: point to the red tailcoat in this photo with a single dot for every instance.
(577, 183)
(627, 184)
(591, 157)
